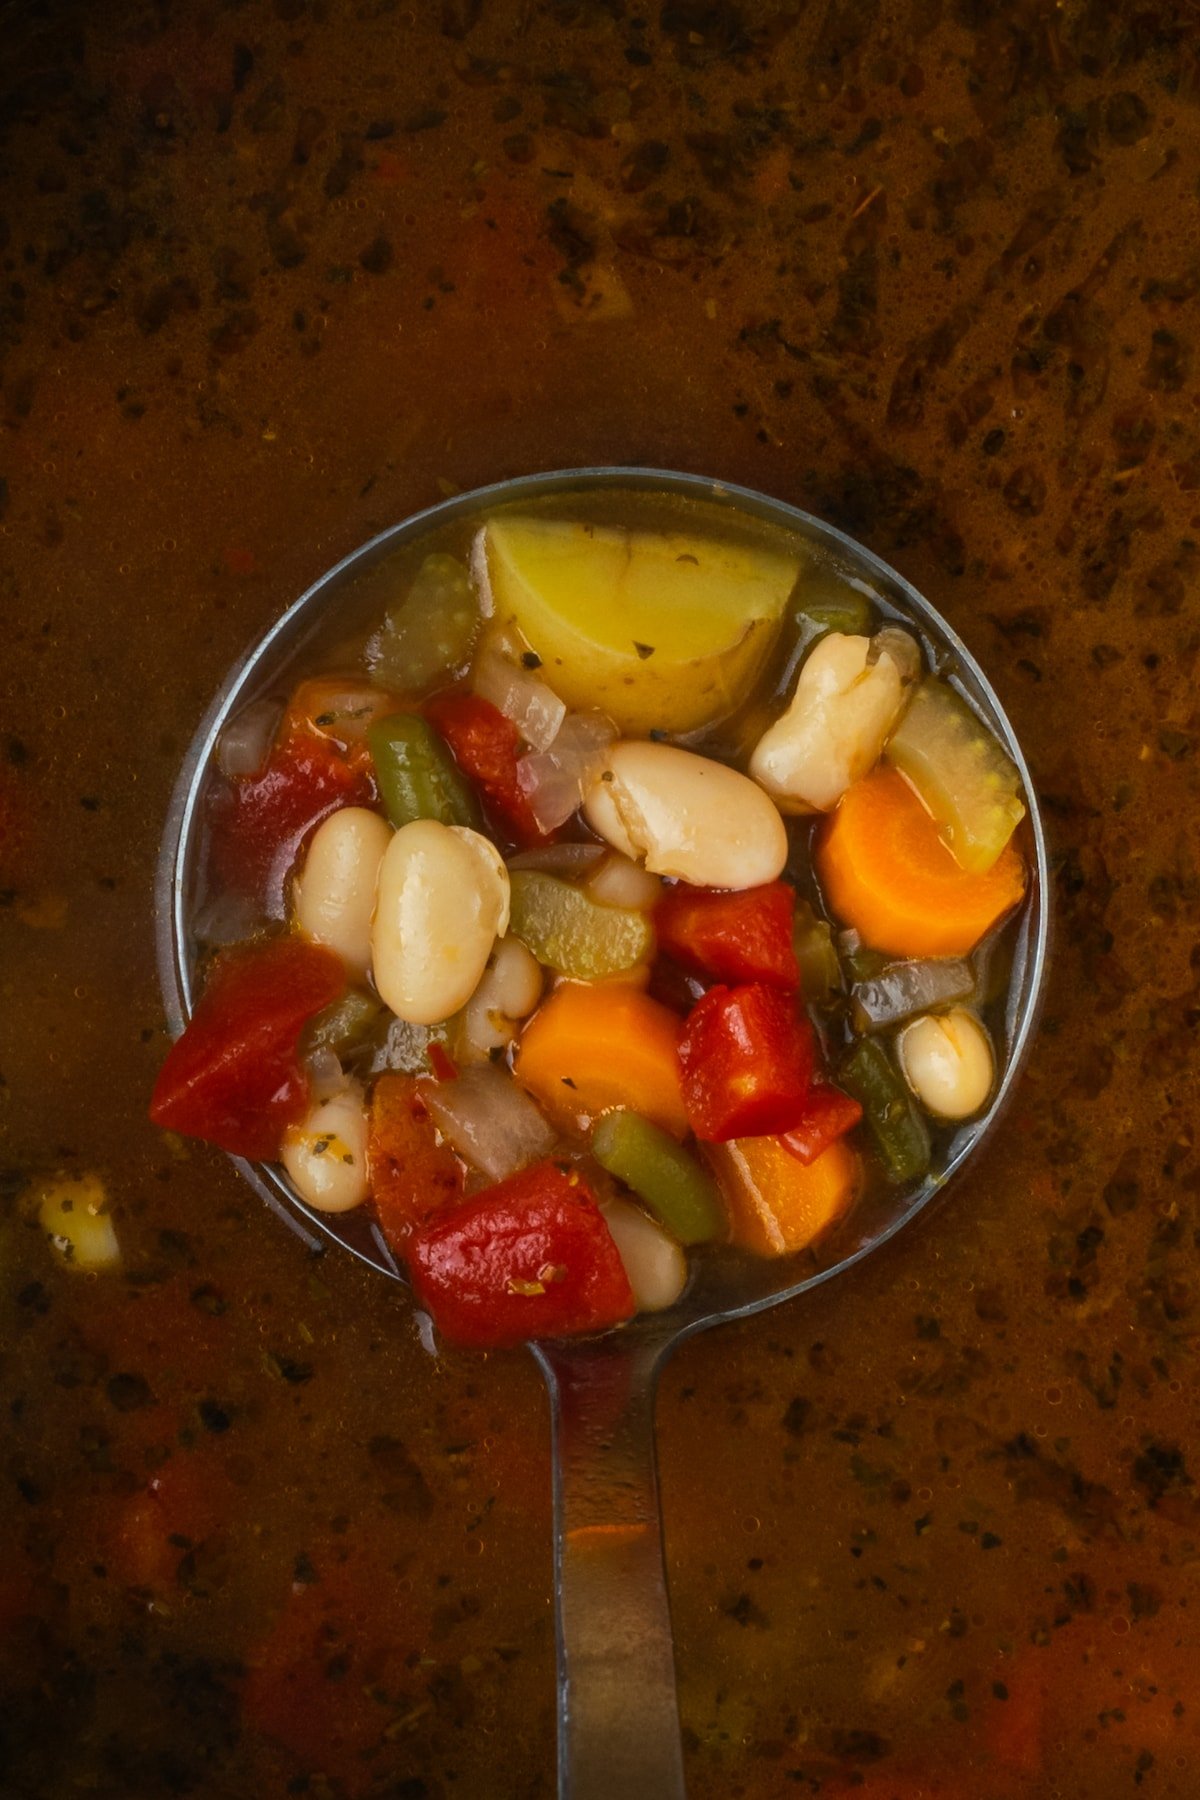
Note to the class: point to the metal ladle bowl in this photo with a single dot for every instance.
(618, 1723)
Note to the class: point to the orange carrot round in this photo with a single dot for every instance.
(887, 874)
(593, 1046)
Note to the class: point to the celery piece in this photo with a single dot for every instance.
(824, 602)
(427, 638)
(961, 773)
(897, 1129)
(682, 1196)
(569, 931)
(812, 940)
(418, 778)
(345, 1027)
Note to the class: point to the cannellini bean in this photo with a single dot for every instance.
(325, 1155)
(334, 894)
(654, 1262)
(73, 1212)
(441, 903)
(687, 816)
(619, 882)
(832, 733)
(509, 990)
(947, 1061)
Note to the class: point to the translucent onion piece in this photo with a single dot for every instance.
(903, 649)
(227, 918)
(489, 1120)
(905, 988)
(245, 743)
(326, 1076)
(519, 693)
(553, 780)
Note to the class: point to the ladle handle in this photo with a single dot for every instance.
(618, 1718)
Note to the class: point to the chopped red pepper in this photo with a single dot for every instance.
(258, 823)
(744, 936)
(828, 1114)
(413, 1174)
(747, 1059)
(487, 747)
(528, 1258)
(234, 1077)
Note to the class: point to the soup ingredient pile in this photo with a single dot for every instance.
(635, 892)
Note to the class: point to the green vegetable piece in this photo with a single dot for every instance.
(681, 1195)
(828, 603)
(961, 773)
(418, 778)
(896, 1126)
(346, 1026)
(859, 962)
(569, 931)
(427, 638)
(812, 940)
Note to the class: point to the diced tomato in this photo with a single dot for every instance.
(338, 1667)
(747, 1060)
(340, 711)
(183, 1503)
(413, 1174)
(487, 747)
(234, 1077)
(528, 1258)
(441, 1062)
(258, 823)
(744, 936)
(828, 1114)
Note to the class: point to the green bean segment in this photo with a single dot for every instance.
(896, 1126)
(682, 1196)
(417, 776)
(569, 931)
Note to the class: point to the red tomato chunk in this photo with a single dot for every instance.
(528, 1258)
(747, 1058)
(828, 1114)
(234, 1077)
(744, 936)
(487, 747)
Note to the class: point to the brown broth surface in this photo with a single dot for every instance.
(274, 275)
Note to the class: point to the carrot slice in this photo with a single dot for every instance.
(887, 874)
(596, 1045)
(777, 1204)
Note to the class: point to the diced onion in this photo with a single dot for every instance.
(903, 649)
(519, 693)
(227, 918)
(553, 781)
(326, 1076)
(654, 1262)
(489, 1120)
(905, 988)
(245, 743)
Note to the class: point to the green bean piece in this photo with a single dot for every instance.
(682, 1196)
(426, 638)
(897, 1128)
(569, 931)
(346, 1026)
(812, 940)
(418, 778)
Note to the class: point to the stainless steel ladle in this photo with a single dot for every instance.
(618, 1727)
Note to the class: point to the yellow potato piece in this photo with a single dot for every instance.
(659, 630)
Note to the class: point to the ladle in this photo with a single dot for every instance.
(618, 1729)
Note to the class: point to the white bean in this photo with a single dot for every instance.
(654, 1262)
(334, 894)
(834, 729)
(442, 901)
(947, 1061)
(509, 990)
(617, 881)
(687, 816)
(325, 1155)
